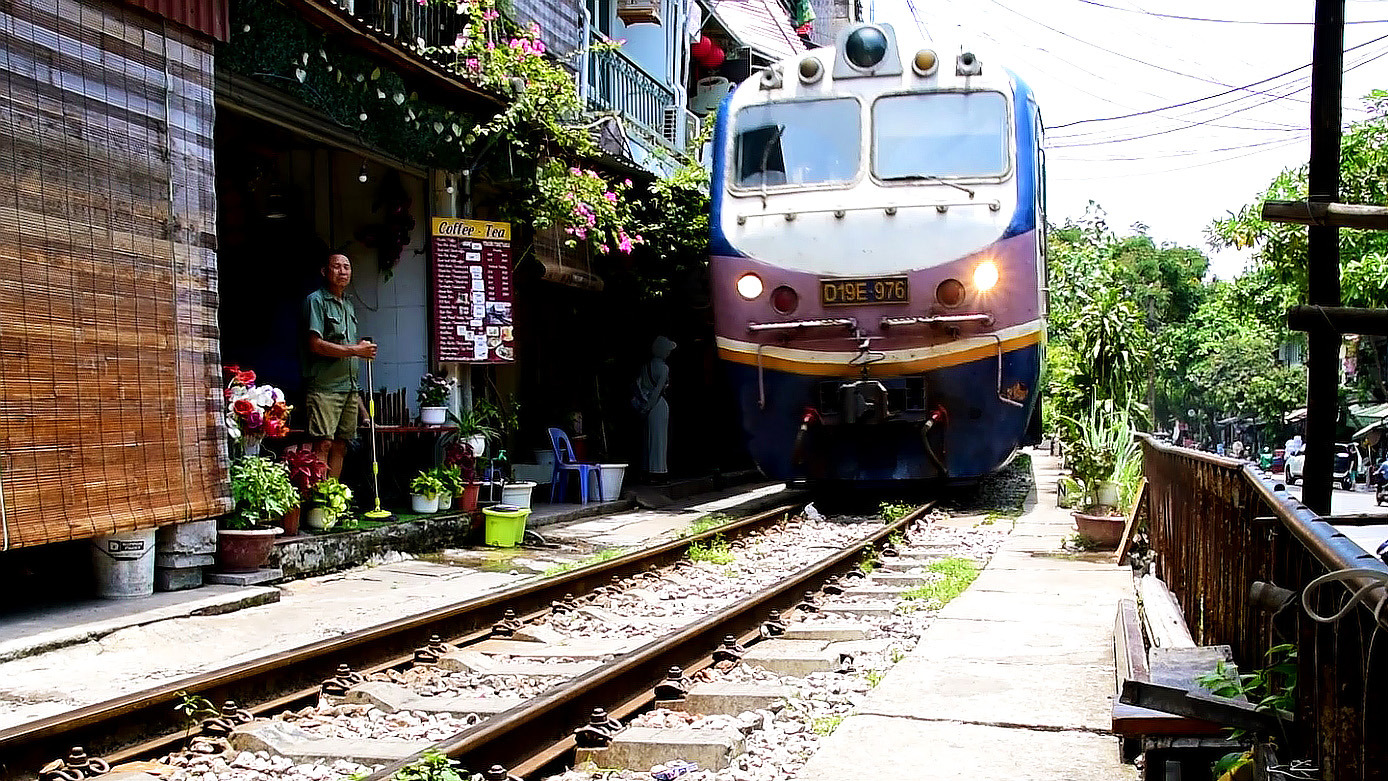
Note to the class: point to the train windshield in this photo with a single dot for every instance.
(940, 134)
(802, 142)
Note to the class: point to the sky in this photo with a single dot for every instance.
(1178, 168)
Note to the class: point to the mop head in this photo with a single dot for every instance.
(379, 515)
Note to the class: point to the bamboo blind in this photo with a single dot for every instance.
(110, 384)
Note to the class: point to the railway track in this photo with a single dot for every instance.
(146, 725)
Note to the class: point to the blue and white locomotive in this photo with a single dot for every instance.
(878, 261)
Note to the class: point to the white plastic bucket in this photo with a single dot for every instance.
(424, 504)
(433, 416)
(124, 564)
(517, 494)
(612, 475)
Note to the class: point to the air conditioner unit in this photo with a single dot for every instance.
(670, 126)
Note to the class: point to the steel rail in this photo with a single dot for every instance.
(145, 722)
(538, 731)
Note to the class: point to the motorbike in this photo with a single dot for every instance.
(1381, 492)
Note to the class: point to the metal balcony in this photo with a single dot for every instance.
(617, 84)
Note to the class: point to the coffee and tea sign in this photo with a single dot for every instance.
(472, 291)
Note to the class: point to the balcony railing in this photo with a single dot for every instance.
(617, 84)
(407, 21)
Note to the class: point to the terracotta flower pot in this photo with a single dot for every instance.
(291, 522)
(1105, 530)
(245, 550)
(467, 500)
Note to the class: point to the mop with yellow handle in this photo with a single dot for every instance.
(377, 514)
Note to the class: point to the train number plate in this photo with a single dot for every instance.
(855, 292)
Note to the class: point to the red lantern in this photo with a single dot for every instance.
(707, 53)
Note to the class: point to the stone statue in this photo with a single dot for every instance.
(654, 409)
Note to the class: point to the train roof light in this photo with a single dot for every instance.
(967, 65)
(925, 62)
(811, 70)
(865, 47)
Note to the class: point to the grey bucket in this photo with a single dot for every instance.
(124, 564)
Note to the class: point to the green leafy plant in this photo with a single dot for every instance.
(897, 655)
(1081, 543)
(333, 498)
(958, 573)
(894, 512)
(426, 484)
(705, 523)
(1272, 688)
(1101, 448)
(869, 562)
(825, 725)
(432, 766)
(606, 554)
(715, 550)
(896, 539)
(262, 492)
(873, 677)
(451, 478)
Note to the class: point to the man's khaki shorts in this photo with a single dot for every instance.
(332, 415)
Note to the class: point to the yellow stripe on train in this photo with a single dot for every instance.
(906, 361)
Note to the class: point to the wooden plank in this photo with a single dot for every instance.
(1198, 705)
(1161, 615)
(1130, 528)
(1129, 649)
(1338, 320)
(1181, 666)
(1338, 215)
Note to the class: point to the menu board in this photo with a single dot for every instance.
(473, 319)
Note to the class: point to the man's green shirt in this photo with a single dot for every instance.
(334, 319)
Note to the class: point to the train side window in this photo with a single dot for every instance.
(798, 143)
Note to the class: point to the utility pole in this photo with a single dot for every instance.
(1323, 253)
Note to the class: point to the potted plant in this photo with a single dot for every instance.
(475, 427)
(253, 411)
(263, 494)
(305, 470)
(461, 463)
(424, 492)
(1103, 456)
(434, 391)
(329, 503)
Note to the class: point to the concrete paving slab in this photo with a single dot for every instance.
(954, 639)
(1042, 607)
(923, 750)
(641, 748)
(262, 576)
(879, 593)
(1060, 580)
(1057, 696)
(34, 632)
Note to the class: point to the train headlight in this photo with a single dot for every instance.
(986, 276)
(865, 47)
(749, 286)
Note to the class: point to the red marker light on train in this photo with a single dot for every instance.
(950, 293)
(784, 300)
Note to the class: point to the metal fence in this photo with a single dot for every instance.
(1216, 527)
(615, 83)
(409, 22)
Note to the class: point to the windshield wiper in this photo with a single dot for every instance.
(929, 178)
(766, 159)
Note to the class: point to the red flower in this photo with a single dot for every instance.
(246, 377)
(243, 408)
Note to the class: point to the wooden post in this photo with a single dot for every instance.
(1323, 253)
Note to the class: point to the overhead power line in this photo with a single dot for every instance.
(1219, 21)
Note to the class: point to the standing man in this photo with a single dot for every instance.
(330, 367)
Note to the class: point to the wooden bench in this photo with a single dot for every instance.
(1171, 666)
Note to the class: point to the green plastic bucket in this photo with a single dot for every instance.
(505, 525)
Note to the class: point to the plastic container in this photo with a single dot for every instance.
(433, 416)
(505, 525)
(517, 494)
(612, 475)
(424, 504)
(124, 564)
